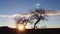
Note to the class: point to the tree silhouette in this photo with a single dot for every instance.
(38, 14)
(23, 19)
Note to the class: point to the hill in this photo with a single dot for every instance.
(7, 30)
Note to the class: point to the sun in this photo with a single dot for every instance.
(21, 27)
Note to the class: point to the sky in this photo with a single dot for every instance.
(9, 7)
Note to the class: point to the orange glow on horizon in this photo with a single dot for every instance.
(21, 27)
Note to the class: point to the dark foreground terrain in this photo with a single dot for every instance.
(7, 30)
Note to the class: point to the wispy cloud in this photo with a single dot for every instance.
(9, 16)
(53, 13)
(14, 15)
(4, 15)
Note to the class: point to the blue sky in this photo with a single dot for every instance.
(9, 7)
(14, 6)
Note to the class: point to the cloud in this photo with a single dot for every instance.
(4, 15)
(53, 14)
(21, 15)
(9, 16)
(14, 16)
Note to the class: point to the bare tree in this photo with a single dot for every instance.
(24, 21)
(38, 14)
